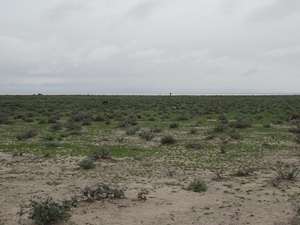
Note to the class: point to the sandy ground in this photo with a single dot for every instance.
(232, 200)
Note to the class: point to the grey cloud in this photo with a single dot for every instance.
(143, 9)
(155, 46)
(61, 11)
(278, 10)
(252, 72)
(229, 6)
(281, 52)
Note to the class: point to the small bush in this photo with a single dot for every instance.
(219, 128)
(101, 191)
(87, 163)
(146, 135)
(197, 185)
(57, 126)
(46, 212)
(29, 133)
(235, 134)
(192, 130)
(241, 122)
(223, 118)
(193, 144)
(223, 148)
(223, 139)
(174, 125)
(142, 194)
(297, 138)
(72, 125)
(286, 171)
(86, 121)
(156, 129)
(219, 172)
(244, 170)
(48, 137)
(101, 152)
(132, 130)
(278, 119)
(210, 135)
(267, 125)
(122, 123)
(53, 119)
(295, 129)
(167, 140)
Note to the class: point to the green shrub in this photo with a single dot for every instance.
(48, 137)
(297, 138)
(223, 148)
(174, 125)
(101, 152)
(72, 125)
(87, 163)
(223, 118)
(182, 117)
(101, 191)
(244, 170)
(219, 128)
(86, 121)
(57, 126)
(235, 133)
(156, 129)
(53, 119)
(193, 144)
(147, 135)
(3, 119)
(132, 130)
(243, 121)
(197, 185)
(46, 212)
(122, 123)
(295, 129)
(287, 171)
(210, 135)
(278, 119)
(167, 140)
(29, 133)
(192, 130)
(267, 125)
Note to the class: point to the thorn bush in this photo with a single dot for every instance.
(197, 185)
(47, 211)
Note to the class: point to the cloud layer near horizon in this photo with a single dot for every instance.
(149, 46)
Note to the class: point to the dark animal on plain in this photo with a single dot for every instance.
(216, 105)
(295, 117)
(259, 110)
(105, 102)
(136, 115)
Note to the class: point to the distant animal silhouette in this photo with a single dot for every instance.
(105, 102)
(259, 110)
(216, 105)
(136, 115)
(295, 117)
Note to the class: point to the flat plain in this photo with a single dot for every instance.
(246, 149)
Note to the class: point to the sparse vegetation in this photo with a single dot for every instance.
(197, 185)
(87, 163)
(131, 152)
(46, 211)
(287, 171)
(167, 140)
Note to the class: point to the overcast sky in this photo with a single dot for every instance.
(149, 46)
